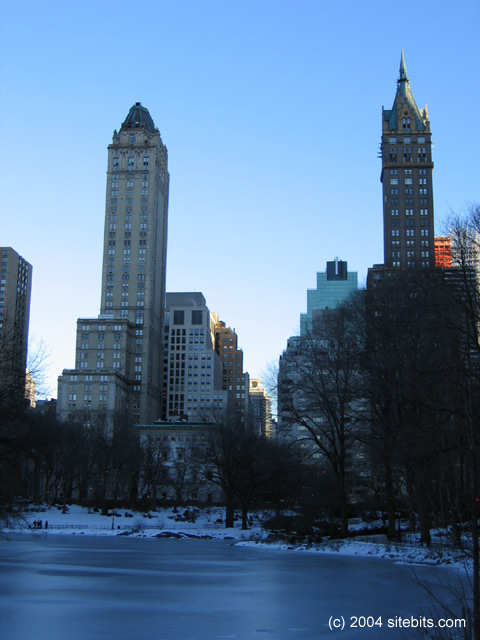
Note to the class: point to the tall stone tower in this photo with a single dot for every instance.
(406, 152)
(118, 368)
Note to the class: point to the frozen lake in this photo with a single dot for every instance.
(55, 587)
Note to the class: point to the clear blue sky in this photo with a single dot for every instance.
(271, 112)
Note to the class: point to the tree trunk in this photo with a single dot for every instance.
(229, 512)
(343, 505)
(244, 517)
(390, 499)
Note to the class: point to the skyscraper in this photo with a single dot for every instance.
(15, 291)
(334, 286)
(234, 379)
(260, 408)
(118, 367)
(406, 151)
(192, 367)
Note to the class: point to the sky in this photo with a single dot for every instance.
(271, 112)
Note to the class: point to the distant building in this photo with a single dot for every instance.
(118, 362)
(292, 362)
(260, 408)
(30, 390)
(174, 450)
(234, 379)
(192, 380)
(46, 407)
(407, 166)
(15, 292)
(443, 253)
(334, 286)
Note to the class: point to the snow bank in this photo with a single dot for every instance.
(190, 522)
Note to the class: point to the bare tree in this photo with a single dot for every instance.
(320, 395)
(154, 472)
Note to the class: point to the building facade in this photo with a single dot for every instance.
(119, 362)
(234, 379)
(260, 408)
(407, 165)
(15, 293)
(192, 377)
(173, 466)
(334, 286)
(443, 252)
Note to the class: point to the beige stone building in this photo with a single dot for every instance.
(118, 363)
(174, 466)
(234, 379)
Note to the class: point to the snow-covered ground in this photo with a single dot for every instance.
(208, 523)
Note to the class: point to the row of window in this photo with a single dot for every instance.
(87, 378)
(408, 181)
(410, 232)
(407, 140)
(100, 327)
(142, 163)
(409, 212)
(179, 316)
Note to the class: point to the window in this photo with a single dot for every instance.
(178, 316)
(197, 316)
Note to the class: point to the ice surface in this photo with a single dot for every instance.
(116, 588)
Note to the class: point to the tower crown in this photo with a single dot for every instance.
(404, 100)
(138, 118)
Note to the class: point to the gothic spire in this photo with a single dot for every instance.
(403, 69)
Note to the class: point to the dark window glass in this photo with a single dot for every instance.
(179, 317)
(197, 317)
